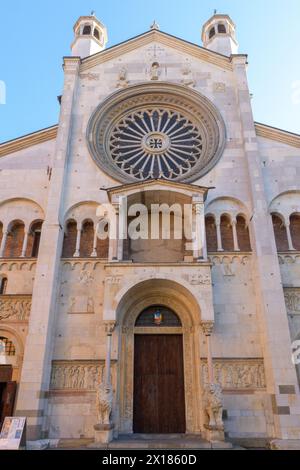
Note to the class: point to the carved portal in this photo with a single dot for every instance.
(190, 331)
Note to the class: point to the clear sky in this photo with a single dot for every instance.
(35, 35)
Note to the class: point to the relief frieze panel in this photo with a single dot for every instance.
(15, 308)
(292, 300)
(236, 374)
(79, 375)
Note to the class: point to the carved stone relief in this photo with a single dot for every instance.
(292, 300)
(237, 374)
(15, 308)
(77, 375)
(199, 279)
(81, 304)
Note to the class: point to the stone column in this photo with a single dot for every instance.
(289, 237)
(3, 242)
(25, 242)
(109, 328)
(94, 252)
(33, 392)
(219, 238)
(271, 309)
(207, 328)
(235, 238)
(199, 251)
(78, 238)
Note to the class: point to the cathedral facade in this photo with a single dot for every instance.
(111, 327)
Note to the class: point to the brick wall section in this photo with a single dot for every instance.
(69, 244)
(31, 236)
(86, 240)
(280, 233)
(295, 230)
(242, 234)
(14, 242)
(211, 233)
(102, 248)
(226, 233)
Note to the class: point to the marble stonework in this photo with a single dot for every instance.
(69, 318)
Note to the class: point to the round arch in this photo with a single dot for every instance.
(179, 299)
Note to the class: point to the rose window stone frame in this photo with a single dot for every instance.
(156, 131)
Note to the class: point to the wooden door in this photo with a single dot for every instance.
(159, 405)
(8, 400)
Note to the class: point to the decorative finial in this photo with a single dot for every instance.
(93, 13)
(215, 12)
(154, 25)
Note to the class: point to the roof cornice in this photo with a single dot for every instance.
(163, 38)
(28, 140)
(280, 135)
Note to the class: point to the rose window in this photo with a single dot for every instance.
(155, 144)
(156, 131)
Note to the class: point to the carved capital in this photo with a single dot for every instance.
(109, 327)
(207, 327)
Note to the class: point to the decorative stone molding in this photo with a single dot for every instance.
(81, 265)
(280, 135)
(78, 375)
(26, 141)
(229, 258)
(15, 307)
(17, 265)
(207, 327)
(292, 300)
(289, 258)
(237, 374)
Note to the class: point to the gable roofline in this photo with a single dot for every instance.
(28, 140)
(142, 185)
(166, 39)
(280, 135)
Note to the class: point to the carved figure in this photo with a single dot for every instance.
(213, 405)
(104, 400)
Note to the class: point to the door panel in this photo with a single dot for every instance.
(159, 405)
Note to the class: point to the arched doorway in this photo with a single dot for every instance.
(176, 298)
(158, 401)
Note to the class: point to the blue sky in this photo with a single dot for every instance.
(34, 36)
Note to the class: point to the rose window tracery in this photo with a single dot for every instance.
(155, 143)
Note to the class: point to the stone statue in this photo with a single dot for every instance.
(104, 403)
(213, 405)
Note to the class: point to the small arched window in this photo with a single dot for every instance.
(3, 285)
(87, 29)
(212, 32)
(96, 33)
(7, 347)
(221, 29)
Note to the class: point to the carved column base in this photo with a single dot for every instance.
(103, 434)
(214, 433)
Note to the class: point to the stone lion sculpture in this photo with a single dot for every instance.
(104, 403)
(213, 405)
